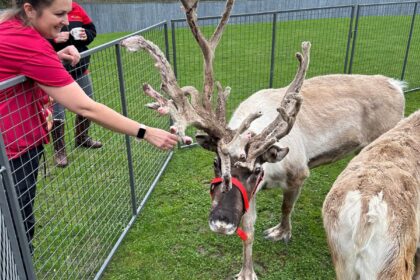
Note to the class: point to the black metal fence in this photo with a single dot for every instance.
(256, 50)
(84, 211)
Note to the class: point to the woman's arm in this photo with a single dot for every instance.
(74, 98)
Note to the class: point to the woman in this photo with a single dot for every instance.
(80, 32)
(24, 50)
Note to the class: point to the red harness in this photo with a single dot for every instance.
(235, 182)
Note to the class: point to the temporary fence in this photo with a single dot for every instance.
(256, 50)
(84, 211)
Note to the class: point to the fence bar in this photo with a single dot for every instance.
(16, 214)
(269, 12)
(12, 82)
(349, 38)
(413, 19)
(412, 90)
(387, 4)
(117, 41)
(273, 48)
(127, 138)
(354, 38)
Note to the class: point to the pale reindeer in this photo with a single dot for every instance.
(372, 212)
(340, 114)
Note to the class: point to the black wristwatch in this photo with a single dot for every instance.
(141, 132)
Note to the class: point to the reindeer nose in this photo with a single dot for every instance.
(222, 224)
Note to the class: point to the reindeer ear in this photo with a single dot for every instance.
(206, 141)
(274, 154)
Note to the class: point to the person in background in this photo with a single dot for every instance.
(25, 50)
(80, 33)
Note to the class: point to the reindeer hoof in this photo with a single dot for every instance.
(278, 233)
(246, 275)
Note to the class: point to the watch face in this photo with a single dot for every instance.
(141, 132)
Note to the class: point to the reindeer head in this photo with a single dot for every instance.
(240, 152)
(240, 157)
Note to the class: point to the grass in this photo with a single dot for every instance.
(171, 238)
(82, 210)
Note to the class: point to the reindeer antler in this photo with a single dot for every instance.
(197, 112)
(284, 121)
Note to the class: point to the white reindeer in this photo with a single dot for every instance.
(372, 212)
(260, 146)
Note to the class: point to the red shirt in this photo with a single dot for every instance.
(23, 51)
(77, 14)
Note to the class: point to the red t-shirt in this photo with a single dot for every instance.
(23, 51)
(77, 14)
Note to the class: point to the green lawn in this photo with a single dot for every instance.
(83, 209)
(171, 238)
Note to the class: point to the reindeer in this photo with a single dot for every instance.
(267, 142)
(372, 212)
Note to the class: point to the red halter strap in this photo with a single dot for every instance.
(235, 182)
(239, 186)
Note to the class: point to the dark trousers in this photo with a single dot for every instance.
(25, 173)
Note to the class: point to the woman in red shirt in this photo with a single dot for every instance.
(24, 50)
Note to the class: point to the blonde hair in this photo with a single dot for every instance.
(17, 10)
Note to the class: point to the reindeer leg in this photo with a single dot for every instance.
(248, 221)
(283, 231)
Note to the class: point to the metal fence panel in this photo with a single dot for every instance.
(365, 39)
(84, 209)
(8, 267)
(127, 15)
(328, 35)
(387, 33)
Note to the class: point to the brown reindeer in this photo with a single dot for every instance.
(266, 141)
(372, 212)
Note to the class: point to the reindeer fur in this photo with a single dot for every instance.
(340, 114)
(372, 212)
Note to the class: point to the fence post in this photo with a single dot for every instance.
(353, 47)
(165, 32)
(349, 37)
(174, 48)
(409, 41)
(25, 261)
(273, 47)
(127, 138)
(10, 257)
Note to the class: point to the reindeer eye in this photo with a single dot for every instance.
(257, 169)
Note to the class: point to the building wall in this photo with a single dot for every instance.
(131, 17)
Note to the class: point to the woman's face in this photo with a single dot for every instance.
(49, 21)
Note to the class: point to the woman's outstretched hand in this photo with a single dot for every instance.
(160, 138)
